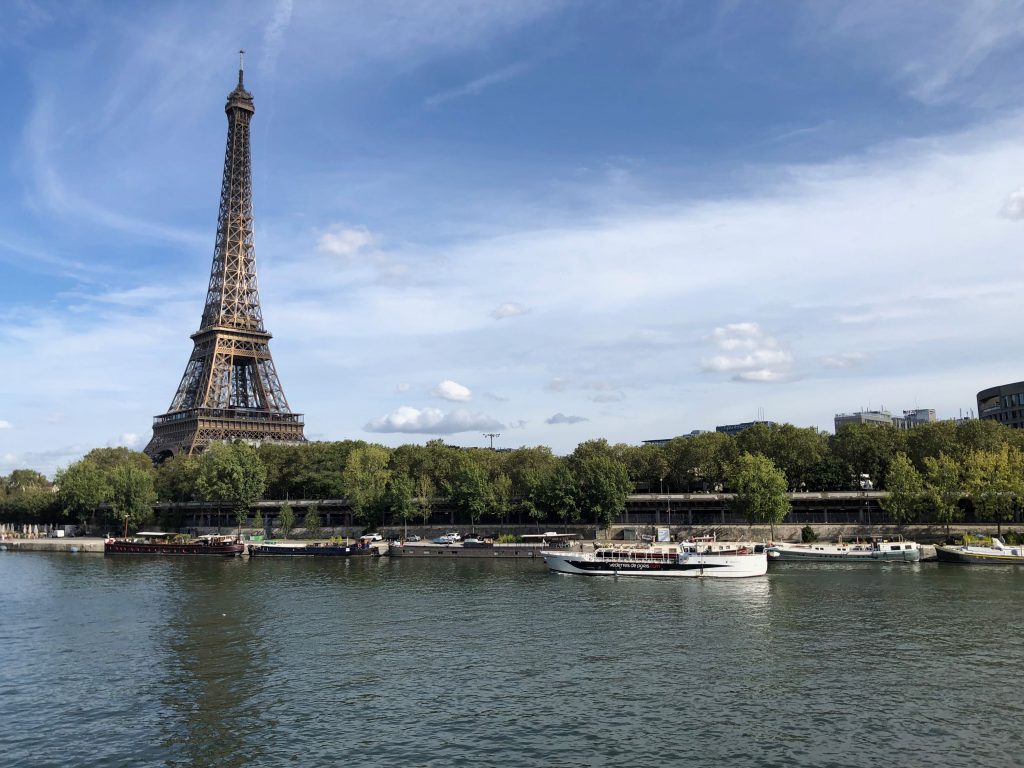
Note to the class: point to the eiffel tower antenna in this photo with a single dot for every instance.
(230, 389)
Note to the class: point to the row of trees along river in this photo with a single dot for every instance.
(933, 473)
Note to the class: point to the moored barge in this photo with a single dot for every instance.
(848, 552)
(162, 543)
(316, 549)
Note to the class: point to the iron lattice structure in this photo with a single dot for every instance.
(230, 389)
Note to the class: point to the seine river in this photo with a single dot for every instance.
(196, 662)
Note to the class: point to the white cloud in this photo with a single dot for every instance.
(431, 421)
(752, 354)
(345, 242)
(1013, 206)
(5, 424)
(403, 387)
(509, 309)
(129, 440)
(561, 418)
(844, 360)
(453, 391)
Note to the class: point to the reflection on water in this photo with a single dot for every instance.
(228, 662)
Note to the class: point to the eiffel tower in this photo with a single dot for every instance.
(230, 390)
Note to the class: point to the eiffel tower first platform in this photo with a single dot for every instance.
(230, 390)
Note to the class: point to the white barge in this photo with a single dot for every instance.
(866, 552)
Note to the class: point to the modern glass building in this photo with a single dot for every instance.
(1004, 404)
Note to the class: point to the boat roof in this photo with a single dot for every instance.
(551, 535)
(155, 534)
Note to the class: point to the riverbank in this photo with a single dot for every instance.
(84, 544)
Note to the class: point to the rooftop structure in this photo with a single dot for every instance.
(883, 418)
(734, 429)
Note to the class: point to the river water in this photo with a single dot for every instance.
(124, 661)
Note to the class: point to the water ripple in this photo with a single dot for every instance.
(125, 661)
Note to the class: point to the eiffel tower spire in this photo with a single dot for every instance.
(230, 389)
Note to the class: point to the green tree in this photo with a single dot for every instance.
(311, 522)
(401, 498)
(176, 478)
(868, 448)
(973, 435)
(131, 494)
(994, 480)
(795, 450)
(699, 462)
(83, 487)
(647, 466)
(501, 492)
(286, 519)
(470, 492)
(425, 492)
(257, 521)
(366, 478)
(829, 474)
(943, 488)
(930, 440)
(602, 485)
(906, 490)
(558, 496)
(24, 480)
(760, 489)
(232, 474)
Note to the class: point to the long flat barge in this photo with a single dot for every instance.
(163, 543)
(311, 550)
(489, 551)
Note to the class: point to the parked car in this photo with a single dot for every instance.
(413, 537)
(371, 537)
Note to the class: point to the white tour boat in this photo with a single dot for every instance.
(867, 552)
(699, 557)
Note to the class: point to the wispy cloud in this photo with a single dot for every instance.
(948, 53)
(478, 85)
(345, 242)
(844, 360)
(274, 32)
(1013, 206)
(561, 418)
(509, 309)
(431, 421)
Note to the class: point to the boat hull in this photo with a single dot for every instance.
(262, 550)
(726, 566)
(973, 556)
(118, 547)
(834, 554)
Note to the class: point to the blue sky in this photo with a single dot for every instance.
(552, 220)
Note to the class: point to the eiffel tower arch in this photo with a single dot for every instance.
(230, 389)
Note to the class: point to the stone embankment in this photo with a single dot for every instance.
(73, 545)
